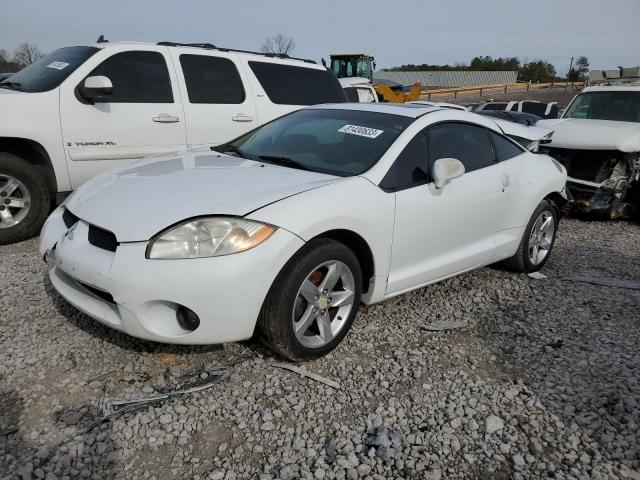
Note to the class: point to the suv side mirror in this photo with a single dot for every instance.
(445, 170)
(95, 88)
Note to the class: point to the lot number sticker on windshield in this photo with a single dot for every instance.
(58, 65)
(361, 131)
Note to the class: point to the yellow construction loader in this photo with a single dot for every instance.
(362, 65)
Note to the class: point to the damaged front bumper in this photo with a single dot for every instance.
(604, 183)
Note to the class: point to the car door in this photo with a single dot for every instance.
(440, 232)
(218, 103)
(143, 116)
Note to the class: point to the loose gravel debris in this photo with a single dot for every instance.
(542, 382)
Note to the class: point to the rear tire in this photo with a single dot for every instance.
(25, 199)
(537, 240)
(300, 318)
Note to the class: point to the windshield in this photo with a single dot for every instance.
(621, 106)
(336, 142)
(49, 71)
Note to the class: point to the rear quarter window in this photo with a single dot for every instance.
(293, 85)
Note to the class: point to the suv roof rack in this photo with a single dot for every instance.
(210, 46)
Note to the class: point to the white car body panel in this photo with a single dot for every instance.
(586, 134)
(353, 204)
(416, 236)
(518, 130)
(215, 184)
(35, 116)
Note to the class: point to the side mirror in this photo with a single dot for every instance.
(445, 170)
(95, 88)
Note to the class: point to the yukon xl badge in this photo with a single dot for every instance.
(92, 144)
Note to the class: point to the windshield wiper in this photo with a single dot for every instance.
(11, 85)
(230, 148)
(284, 161)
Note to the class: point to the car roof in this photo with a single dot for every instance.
(209, 48)
(609, 88)
(411, 110)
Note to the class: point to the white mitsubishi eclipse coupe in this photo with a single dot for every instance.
(285, 230)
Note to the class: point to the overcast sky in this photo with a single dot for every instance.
(394, 31)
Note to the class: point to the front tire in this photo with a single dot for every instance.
(313, 301)
(537, 240)
(25, 199)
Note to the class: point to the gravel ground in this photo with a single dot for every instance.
(543, 381)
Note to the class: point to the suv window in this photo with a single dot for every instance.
(290, 85)
(503, 149)
(410, 168)
(137, 77)
(211, 79)
(467, 143)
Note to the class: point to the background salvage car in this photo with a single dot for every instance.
(206, 247)
(598, 140)
(81, 110)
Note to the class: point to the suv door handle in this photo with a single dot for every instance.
(241, 117)
(165, 118)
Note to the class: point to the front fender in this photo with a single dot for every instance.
(355, 205)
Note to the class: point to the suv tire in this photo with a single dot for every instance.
(25, 199)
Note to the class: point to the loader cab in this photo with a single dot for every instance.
(348, 65)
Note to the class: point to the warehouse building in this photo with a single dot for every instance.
(450, 79)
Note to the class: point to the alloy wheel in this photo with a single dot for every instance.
(15, 201)
(323, 304)
(541, 237)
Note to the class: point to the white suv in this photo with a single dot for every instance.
(81, 110)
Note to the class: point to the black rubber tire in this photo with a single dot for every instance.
(40, 198)
(520, 261)
(274, 325)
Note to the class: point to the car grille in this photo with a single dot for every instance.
(69, 218)
(106, 296)
(101, 238)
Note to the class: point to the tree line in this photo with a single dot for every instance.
(24, 55)
(532, 71)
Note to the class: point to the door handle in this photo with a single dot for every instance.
(505, 179)
(241, 117)
(165, 118)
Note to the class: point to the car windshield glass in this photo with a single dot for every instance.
(50, 70)
(337, 142)
(612, 105)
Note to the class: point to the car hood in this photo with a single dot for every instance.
(586, 134)
(138, 201)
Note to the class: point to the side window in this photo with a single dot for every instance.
(536, 108)
(410, 168)
(352, 94)
(467, 143)
(290, 85)
(503, 148)
(137, 77)
(211, 79)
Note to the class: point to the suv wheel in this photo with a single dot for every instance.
(313, 301)
(24, 199)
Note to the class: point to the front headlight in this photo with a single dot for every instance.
(208, 237)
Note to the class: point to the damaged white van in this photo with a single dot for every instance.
(597, 139)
